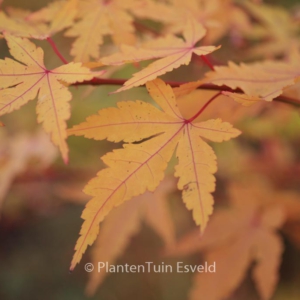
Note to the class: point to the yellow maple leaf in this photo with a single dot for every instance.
(209, 13)
(259, 81)
(189, 87)
(172, 51)
(243, 99)
(97, 19)
(140, 167)
(276, 27)
(236, 237)
(117, 229)
(20, 27)
(147, 9)
(59, 15)
(17, 13)
(264, 79)
(24, 80)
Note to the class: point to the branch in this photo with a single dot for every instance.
(206, 86)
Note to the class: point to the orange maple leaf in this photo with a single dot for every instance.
(172, 51)
(140, 167)
(24, 80)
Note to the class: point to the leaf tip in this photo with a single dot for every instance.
(74, 262)
(114, 92)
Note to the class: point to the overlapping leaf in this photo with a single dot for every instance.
(209, 13)
(172, 51)
(265, 80)
(59, 14)
(22, 81)
(242, 98)
(97, 19)
(140, 167)
(277, 30)
(125, 221)
(20, 27)
(259, 81)
(40, 24)
(147, 9)
(235, 238)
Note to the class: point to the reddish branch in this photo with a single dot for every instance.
(205, 59)
(207, 86)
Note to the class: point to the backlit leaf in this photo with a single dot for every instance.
(22, 81)
(265, 80)
(59, 15)
(140, 167)
(172, 51)
(97, 19)
(125, 221)
(236, 237)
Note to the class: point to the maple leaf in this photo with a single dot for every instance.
(147, 9)
(172, 51)
(277, 28)
(118, 228)
(259, 81)
(59, 15)
(209, 13)
(242, 98)
(140, 167)
(236, 237)
(24, 80)
(20, 27)
(97, 19)
(16, 12)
